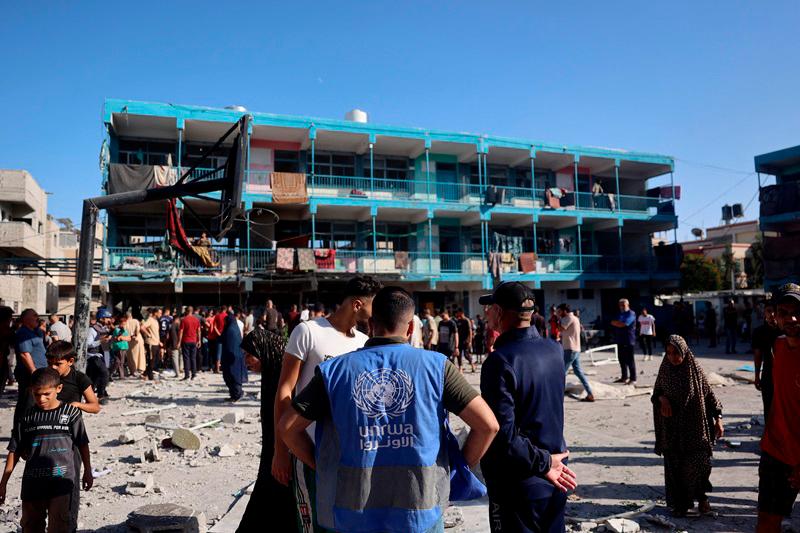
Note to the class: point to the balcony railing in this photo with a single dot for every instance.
(384, 262)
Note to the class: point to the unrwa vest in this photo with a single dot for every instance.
(382, 463)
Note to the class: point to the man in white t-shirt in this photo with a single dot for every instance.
(647, 332)
(310, 344)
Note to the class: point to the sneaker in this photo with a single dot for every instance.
(620, 380)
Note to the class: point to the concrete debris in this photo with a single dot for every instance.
(153, 419)
(716, 380)
(233, 417)
(588, 526)
(100, 473)
(140, 485)
(601, 391)
(152, 454)
(453, 517)
(622, 525)
(166, 517)
(131, 435)
(150, 410)
(187, 438)
(659, 520)
(226, 450)
(746, 426)
(757, 420)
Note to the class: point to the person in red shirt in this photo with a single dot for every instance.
(189, 341)
(779, 468)
(214, 332)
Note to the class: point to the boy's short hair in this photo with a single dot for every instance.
(61, 350)
(362, 286)
(45, 377)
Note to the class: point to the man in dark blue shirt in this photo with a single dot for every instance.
(625, 337)
(522, 380)
(31, 355)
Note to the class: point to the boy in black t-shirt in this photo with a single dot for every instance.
(48, 436)
(76, 388)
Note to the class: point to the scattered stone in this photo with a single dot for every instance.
(659, 520)
(588, 526)
(153, 419)
(233, 417)
(601, 391)
(140, 485)
(136, 433)
(622, 525)
(166, 517)
(745, 426)
(453, 517)
(152, 454)
(226, 450)
(716, 380)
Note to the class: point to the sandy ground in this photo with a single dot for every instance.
(610, 442)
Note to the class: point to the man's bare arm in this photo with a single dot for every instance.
(292, 429)
(483, 427)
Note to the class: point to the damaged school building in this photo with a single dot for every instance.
(444, 214)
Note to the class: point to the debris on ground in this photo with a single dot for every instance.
(622, 525)
(140, 485)
(166, 517)
(133, 434)
(453, 516)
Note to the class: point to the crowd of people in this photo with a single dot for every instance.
(362, 443)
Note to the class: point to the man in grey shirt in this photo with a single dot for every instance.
(58, 330)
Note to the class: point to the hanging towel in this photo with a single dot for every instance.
(285, 259)
(527, 262)
(305, 260)
(349, 264)
(401, 260)
(325, 259)
(289, 188)
(204, 253)
(494, 264)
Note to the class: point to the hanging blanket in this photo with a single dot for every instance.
(289, 188)
(305, 260)
(204, 253)
(325, 259)
(125, 178)
(527, 262)
(285, 260)
(401, 260)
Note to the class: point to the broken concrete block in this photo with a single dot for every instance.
(131, 435)
(186, 439)
(166, 517)
(226, 450)
(453, 516)
(140, 486)
(622, 525)
(588, 526)
(233, 417)
(152, 454)
(153, 419)
(716, 380)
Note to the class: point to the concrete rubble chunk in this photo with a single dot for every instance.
(226, 450)
(166, 517)
(588, 526)
(133, 434)
(152, 454)
(453, 517)
(153, 419)
(140, 485)
(716, 380)
(233, 417)
(622, 525)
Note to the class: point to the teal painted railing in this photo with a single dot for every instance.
(140, 259)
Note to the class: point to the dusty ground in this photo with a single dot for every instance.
(610, 441)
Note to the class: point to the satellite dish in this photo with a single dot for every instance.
(697, 232)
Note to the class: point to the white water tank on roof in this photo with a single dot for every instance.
(356, 115)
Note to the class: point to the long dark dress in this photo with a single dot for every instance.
(234, 369)
(271, 503)
(686, 438)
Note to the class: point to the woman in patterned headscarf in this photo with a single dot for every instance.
(270, 502)
(688, 420)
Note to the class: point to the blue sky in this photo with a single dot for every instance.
(710, 86)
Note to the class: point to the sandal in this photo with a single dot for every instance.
(704, 508)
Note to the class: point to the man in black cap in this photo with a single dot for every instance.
(523, 383)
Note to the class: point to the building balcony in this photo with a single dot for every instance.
(19, 238)
(135, 262)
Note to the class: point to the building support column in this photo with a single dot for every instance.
(248, 208)
(482, 185)
(428, 169)
(580, 245)
(485, 165)
(430, 242)
(312, 134)
(575, 166)
(313, 209)
(533, 174)
(616, 177)
(374, 213)
(371, 164)
(675, 228)
(619, 237)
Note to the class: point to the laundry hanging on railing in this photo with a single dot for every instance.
(325, 258)
(506, 243)
(179, 240)
(305, 260)
(165, 175)
(401, 260)
(126, 178)
(285, 259)
(289, 188)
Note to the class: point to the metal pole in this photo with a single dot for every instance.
(533, 181)
(83, 282)
(535, 243)
(580, 247)
(313, 159)
(249, 265)
(371, 168)
(374, 244)
(314, 229)
(577, 202)
(619, 196)
(430, 244)
(619, 235)
(428, 171)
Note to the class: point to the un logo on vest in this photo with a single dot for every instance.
(383, 392)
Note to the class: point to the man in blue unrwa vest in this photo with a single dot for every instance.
(381, 456)
(522, 380)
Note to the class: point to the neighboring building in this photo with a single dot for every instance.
(23, 222)
(736, 238)
(406, 204)
(780, 215)
(37, 252)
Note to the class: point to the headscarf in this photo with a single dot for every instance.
(266, 346)
(694, 405)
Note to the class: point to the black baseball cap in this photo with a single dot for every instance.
(509, 295)
(788, 291)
